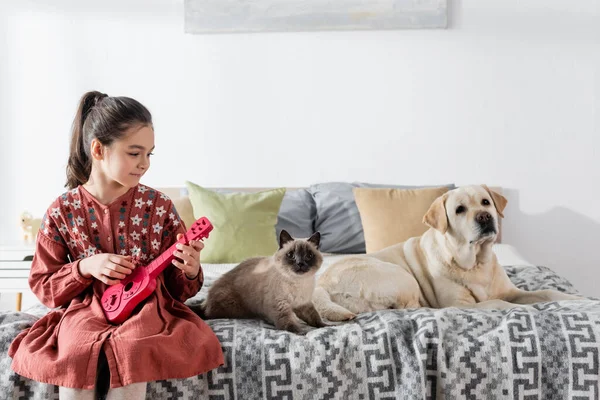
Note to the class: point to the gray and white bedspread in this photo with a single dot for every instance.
(546, 351)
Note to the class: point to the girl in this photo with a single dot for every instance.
(94, 235)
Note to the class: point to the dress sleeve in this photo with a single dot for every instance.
(177, 283)
(53, 279)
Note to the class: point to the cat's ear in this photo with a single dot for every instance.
(315, 239)
(284, 237)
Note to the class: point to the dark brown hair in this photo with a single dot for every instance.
(106, 119)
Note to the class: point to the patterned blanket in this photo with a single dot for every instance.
(545, 351)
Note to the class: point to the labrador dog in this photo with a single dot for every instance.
(451, 265)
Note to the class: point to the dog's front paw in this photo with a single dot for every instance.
(349, 317)
(566, 296)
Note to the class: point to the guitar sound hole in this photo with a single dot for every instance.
(128, 286)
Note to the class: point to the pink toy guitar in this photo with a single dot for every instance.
(118, 301)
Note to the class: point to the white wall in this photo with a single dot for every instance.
(509, 95)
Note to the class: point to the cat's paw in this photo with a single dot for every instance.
(301, 330)
(295, 328)
(324, 323)
(334, 323)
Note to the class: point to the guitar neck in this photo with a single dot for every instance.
(199, 229)
(161, 262)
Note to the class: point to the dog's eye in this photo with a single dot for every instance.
(290, 254)
(460, 209)
(485, 202)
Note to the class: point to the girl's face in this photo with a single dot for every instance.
(128, 159)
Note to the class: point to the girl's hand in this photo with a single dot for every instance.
(190, 255)
(106, 267)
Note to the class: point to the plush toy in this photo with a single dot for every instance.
(29, 226)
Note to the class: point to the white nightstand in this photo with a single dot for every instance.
(15, 263)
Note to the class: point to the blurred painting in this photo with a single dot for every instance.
(220, 16)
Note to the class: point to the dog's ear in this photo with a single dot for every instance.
(436, 217)
(499, 200)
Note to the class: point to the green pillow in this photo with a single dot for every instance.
(244, 223)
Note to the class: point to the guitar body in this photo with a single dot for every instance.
(119, 301)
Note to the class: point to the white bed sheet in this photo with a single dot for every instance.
(509, 256)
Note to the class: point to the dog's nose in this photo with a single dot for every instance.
(483, 217)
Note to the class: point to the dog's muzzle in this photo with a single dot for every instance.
(486, 223)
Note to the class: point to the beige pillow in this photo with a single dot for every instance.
(391, 216)
(183, 205)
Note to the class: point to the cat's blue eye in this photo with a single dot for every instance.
(290, 254)
(309, 256)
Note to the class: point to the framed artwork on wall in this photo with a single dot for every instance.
(223, 16)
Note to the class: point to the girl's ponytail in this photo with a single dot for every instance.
(79, 165)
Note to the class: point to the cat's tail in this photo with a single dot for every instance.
(328, 309)
(200, 309)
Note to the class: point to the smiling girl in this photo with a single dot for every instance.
(93, 236)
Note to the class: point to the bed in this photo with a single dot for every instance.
(546, 351)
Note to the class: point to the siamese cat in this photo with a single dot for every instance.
(278, 289)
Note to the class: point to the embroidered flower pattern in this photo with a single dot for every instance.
(160, 211)
(141, 225)
(135, 251)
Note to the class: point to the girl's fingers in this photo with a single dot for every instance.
(109, 281)
(190, 250)
(181, 266)
(121, 260)
(197, 245)
(113, 274)
(121, 269)
(187, 259)
(189, 254)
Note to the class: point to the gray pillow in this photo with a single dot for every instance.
(338, 219)
(297, 213)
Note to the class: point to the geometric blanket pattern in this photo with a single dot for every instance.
(544, 351)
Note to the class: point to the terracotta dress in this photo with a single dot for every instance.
(163, 339)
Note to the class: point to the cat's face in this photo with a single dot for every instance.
(300, 256)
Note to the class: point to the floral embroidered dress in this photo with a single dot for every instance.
(163, 339)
